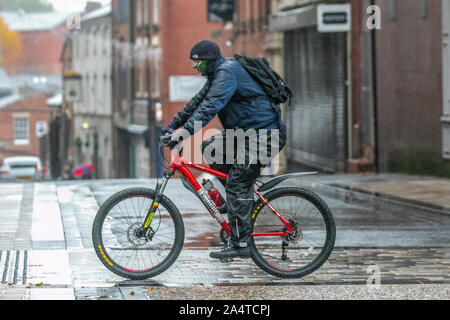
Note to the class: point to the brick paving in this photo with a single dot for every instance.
(194, 269)
(405, 247)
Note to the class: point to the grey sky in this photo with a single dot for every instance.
(72, 5)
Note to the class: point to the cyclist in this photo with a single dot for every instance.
(240, 103)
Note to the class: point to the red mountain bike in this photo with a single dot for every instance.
(138, 233)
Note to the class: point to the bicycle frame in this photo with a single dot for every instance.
(182, 166)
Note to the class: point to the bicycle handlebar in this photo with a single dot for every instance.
(165, 140)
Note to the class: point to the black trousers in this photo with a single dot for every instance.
(239, 162)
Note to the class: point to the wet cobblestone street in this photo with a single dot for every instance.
(61, 264)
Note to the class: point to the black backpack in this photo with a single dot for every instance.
(273, 85)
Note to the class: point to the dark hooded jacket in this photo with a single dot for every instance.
(232, 95)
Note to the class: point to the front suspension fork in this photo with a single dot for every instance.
(160, 187)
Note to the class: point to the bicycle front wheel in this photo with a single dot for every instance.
(120, 243)
(307, 248)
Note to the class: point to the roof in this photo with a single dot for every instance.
(6, 86)
(5, 81)
(8, 100)
(99, 13)
(55, 101)
(34, 21)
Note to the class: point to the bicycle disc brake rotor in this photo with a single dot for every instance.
(134, 237)
(296, 236)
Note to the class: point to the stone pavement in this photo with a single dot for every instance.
(402, 271)
(414, 272)
(423, 191)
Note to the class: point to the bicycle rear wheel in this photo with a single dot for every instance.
(307, 248)
(120, 244)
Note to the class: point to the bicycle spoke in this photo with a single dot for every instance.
(303, 246)
(125, 247)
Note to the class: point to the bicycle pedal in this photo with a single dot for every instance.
(226, 260)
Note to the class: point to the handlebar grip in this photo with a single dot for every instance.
(165, 139)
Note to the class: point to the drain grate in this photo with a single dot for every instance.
(13, 266)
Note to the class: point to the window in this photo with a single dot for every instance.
(86, 92)
(87, 43)
(140, 67)
(94, 41)
(21, 130)
(122, 11)
(155, 12)
(424, 9)
(392, 9)
(156, 88)
(139, 13)
(95, 93)
(146, 12)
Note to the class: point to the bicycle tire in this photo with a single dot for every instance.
(321, 206)
(104, 253)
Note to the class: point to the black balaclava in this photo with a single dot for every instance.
(207, 51)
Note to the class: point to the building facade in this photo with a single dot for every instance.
(411, 57)
(152, 75)
(42, 36)
(373, 98)
(91, 116)
(20, 116)
(25, 116)
(130, 101)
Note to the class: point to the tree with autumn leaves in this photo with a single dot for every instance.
(10, 47)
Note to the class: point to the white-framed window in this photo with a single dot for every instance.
(21, 129)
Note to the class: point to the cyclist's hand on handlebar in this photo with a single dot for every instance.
(166, 131)
(171, 140)
(176, 139)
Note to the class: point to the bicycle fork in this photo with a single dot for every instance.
(160, 187)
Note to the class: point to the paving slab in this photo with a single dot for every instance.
(424, 191)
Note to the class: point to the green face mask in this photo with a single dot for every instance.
(201, 67)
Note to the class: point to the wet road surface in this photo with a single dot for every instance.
(45, 243)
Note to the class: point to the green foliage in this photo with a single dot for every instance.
(26, 5)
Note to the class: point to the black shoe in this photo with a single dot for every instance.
(232, 252)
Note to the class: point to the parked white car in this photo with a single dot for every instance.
(21, 168)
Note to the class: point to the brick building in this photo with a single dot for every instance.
(42, 37)
(32, 82)
(182, 24)
(152, 74)
(412, 95)
(358, 105)
(20, 113)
